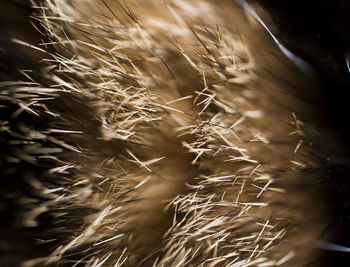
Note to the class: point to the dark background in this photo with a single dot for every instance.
(319, 32)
